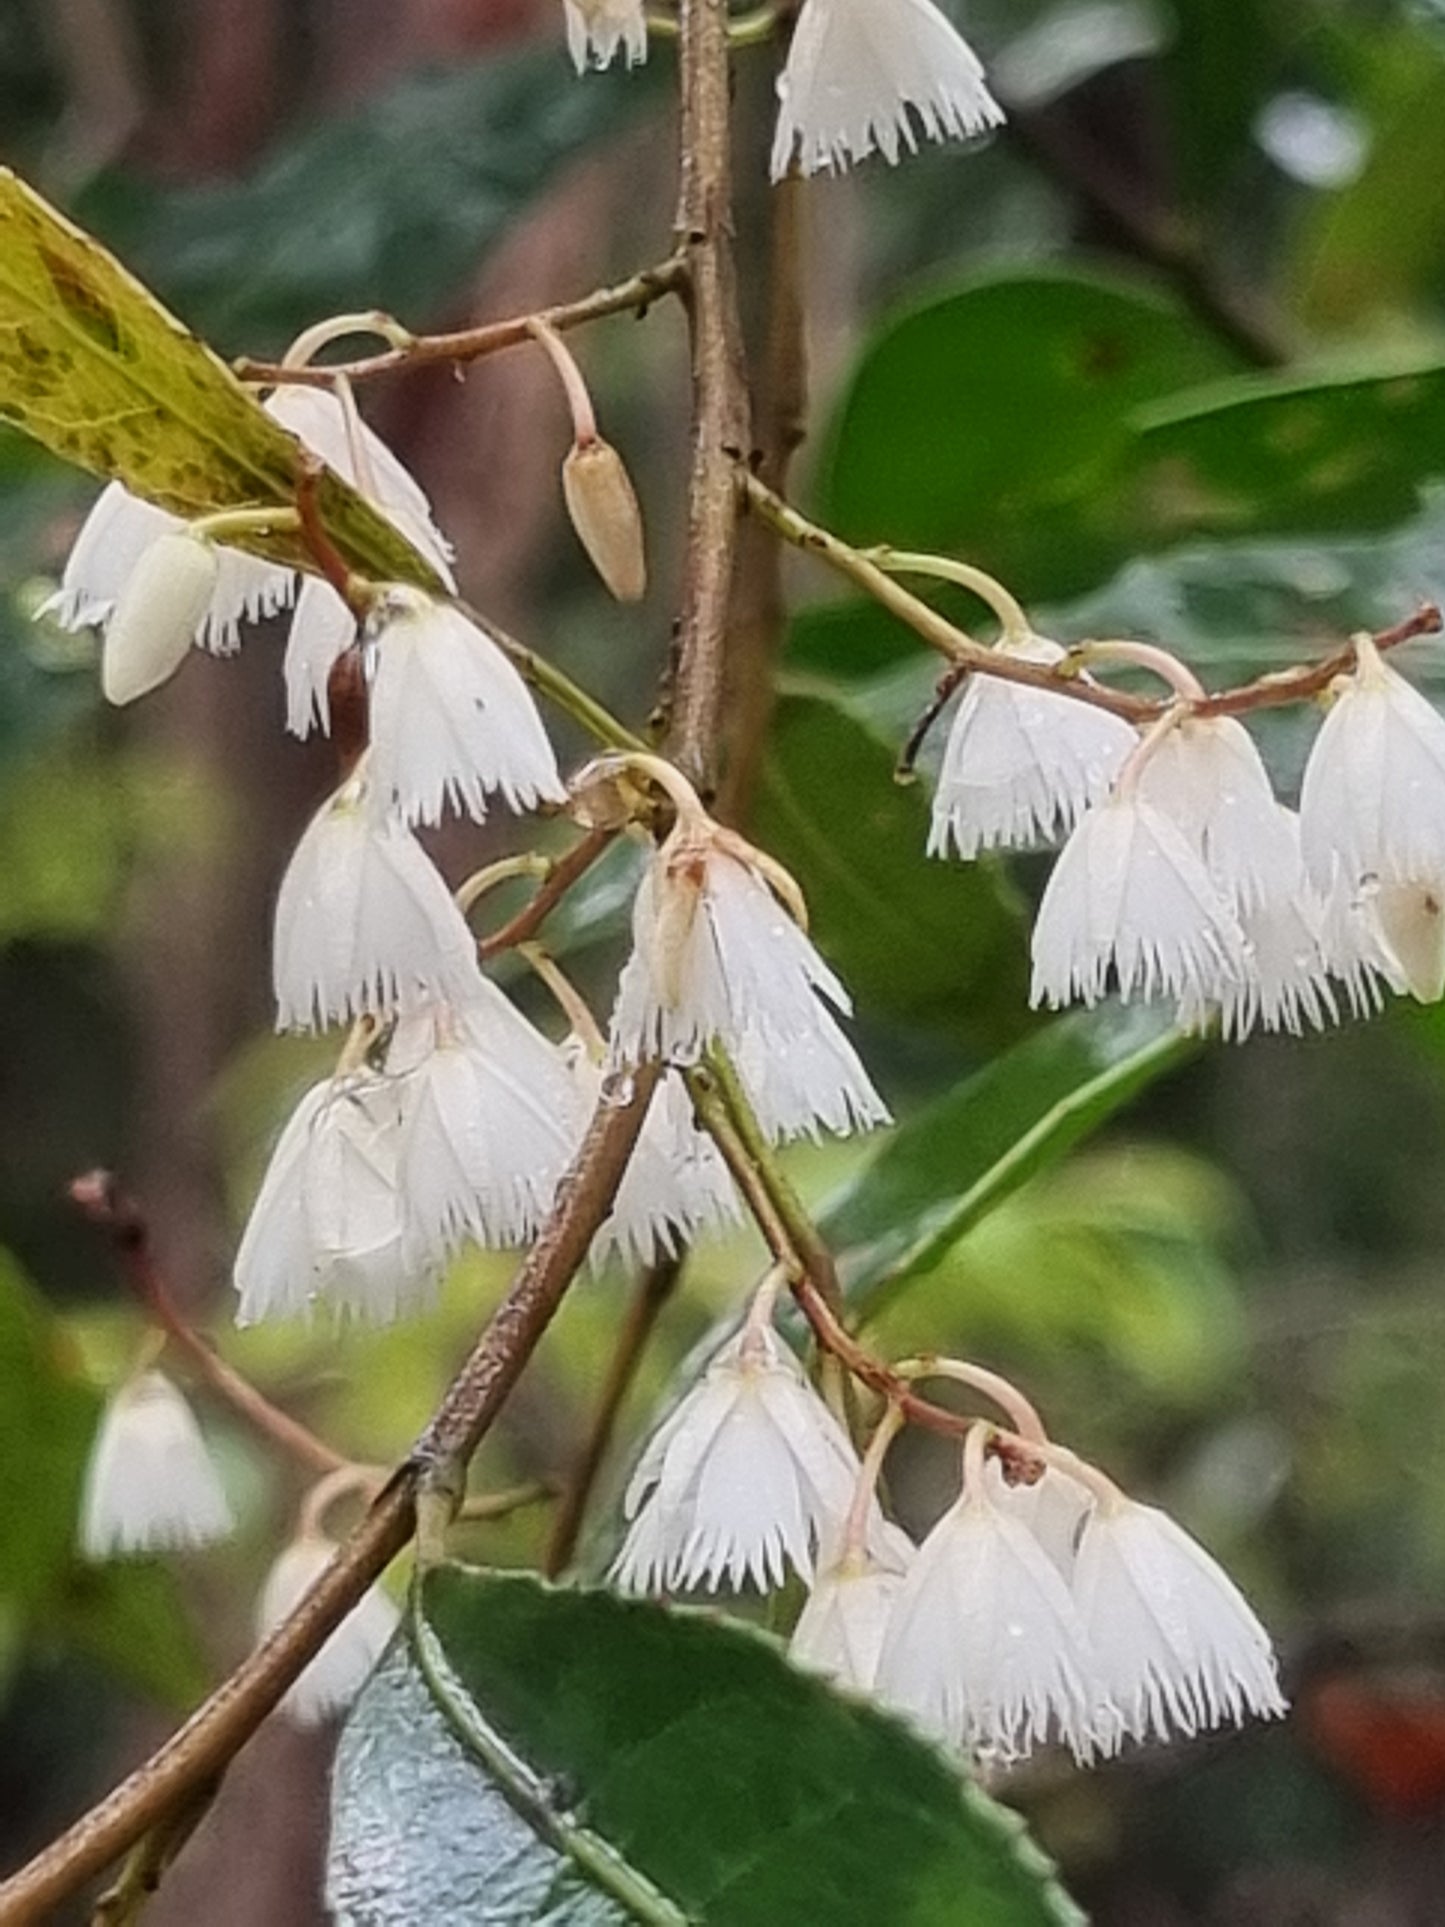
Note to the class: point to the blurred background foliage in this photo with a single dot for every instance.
(1170, 356)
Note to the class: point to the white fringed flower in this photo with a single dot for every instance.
(489, 1123)
(450, 717)
(865, 76)
(984, 1649)
(150, 1485)
(364, 920)
(840, 1630)
(1021, 765)
(676, 1185)
(331, 427)
(117, 533)
(1372, 805)
(340, 1669)
(741, 1480)
(1129, 897)
(1207, 776)
(1175, 1642)
(329, 1222)
(717, 956)
(598, 30)
(322, 630)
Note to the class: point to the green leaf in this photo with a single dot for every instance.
(985, 420)
(128, 1617)
(573, 1757)
(927, 942)
(391, 204)
(1223, 59)
(951, 1163)
(98, 372)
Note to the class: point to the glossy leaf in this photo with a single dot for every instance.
(96, 370)
(987, 420)
(938, 945)
(575, 1757)
(952, 1162)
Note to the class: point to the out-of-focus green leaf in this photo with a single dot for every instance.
(958, 1158)
(1222, 59)
(129, 1618)
(574, 1757)
(390, 205)
(97, 371)
(935, 944)
(986, 421)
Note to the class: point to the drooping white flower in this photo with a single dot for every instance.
(330, 427)
(675, 1185)
(118, 532)
(597, 30)
(1130, 898)
(717, 956)
(840, 1630)
(866, 76)
(363, 919)
(984, 1649)
(1372, 804)
(741, 1480)
(328, 1227)
(1284, 983)
(1053, 1509)
(489, 1122)
(1207, 776)
(1354, 945)
(450, 717)
(150, 1484)
(340, 1669)
(1021, 765)
(322, 629)
(1410, 918)
(1175, 1642)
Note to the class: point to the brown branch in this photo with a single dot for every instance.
(100, 1198)
(1279, 686)
(220, 1727)
(719, 394)
(637, 293)
(905, 769)
(654, 1288)
(559, 880)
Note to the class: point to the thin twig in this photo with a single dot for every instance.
(1295, 684)
(637, 293)
(560, 878)
(654, 1288)
(99, 1196)
(905, 769)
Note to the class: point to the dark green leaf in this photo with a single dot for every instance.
(933, 943)
(951, 1163)
(93, 367)
(985, 421)
(582, 1757)
(390, 205)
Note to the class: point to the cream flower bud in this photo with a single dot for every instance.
(157, 615)
(1411, 919)
(150, 1485)
(741, 1481)
(336, 1675)
(1175, 1643)
(603, 506)
(597, 30)
(859, 70)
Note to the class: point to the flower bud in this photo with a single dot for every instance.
(157, 615)
(603, 506)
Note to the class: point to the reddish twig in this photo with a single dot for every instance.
(559, 880)
(99, 1196)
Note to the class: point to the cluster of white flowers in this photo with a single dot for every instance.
(1182, 878)
(861, 77)
(1053, 1612)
